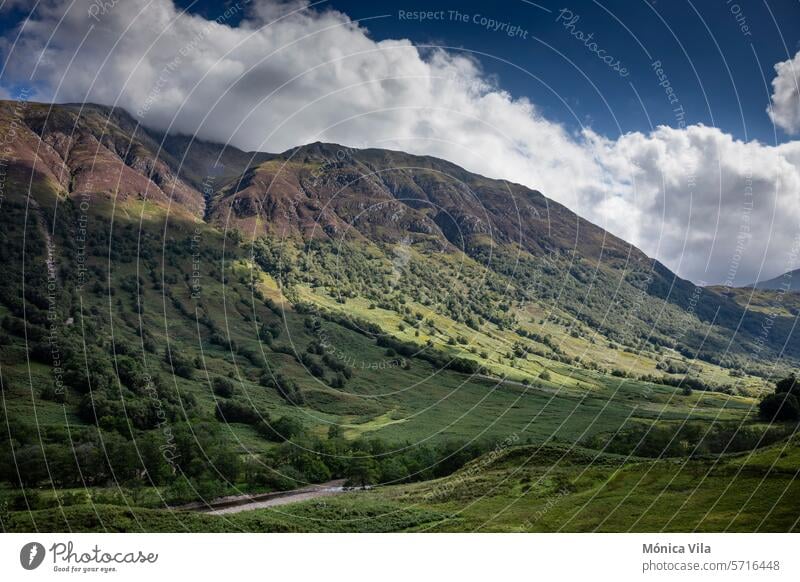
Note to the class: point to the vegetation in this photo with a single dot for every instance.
(151, 359)
(783, 405)
(530, 488)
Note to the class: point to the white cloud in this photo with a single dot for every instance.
(785, 107)
(711, 207)
(310, 75)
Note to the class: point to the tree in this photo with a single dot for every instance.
(283, 429)
(335, 432)
(780, 407)
(154, 463)
(226, 464)
(789, 385)
(362, 471)
(235, 411)
(392, 470)
(314, 469)
(93, 372)
(131, 374)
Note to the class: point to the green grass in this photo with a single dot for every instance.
(350, 513)
(559, 489)
(519, 489)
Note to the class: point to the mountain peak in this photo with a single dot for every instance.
(319, 149)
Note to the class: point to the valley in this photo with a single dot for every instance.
(219, 323)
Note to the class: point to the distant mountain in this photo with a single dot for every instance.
(94, 150)
(789, 282)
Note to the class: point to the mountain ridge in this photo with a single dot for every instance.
(179, 150)
(788, 281)
(378, 201)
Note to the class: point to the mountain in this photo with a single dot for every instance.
(178, 314)
(788, 282)
(537, 249)
(93, 152)
(517, 250)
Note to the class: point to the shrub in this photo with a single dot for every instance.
(236, 411)
(49, 392)
(788, 385)
(280, 430)
(464, 366)
(131, 374)
(223, 387)
(180, 364)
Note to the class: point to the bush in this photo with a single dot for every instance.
(280, 430)
(94, 373)
(780, 407)
(285, 387)
(223, 387)
(236, 411)
(131, 374)
(49, 392)
(464, 366)
(42, 352)
(788, 385)
(669, 439)
(181, 365)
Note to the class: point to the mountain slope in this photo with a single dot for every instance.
(516, 239)
(789, 282)
(504, 256)
(85, 152)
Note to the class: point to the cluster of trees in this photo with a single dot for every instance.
(687, 383)
(194, 460)
(94, 457)
(436, 358)
(679, 439)
(285, 387)
(784, 403)
(362, 462)
(340, 270)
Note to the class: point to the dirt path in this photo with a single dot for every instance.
(238, 503)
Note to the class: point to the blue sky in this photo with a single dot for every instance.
(718, 56)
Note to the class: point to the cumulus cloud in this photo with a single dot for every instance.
(712, 208)
(785, 107)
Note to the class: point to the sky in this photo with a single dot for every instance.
(714, 66)
(672, 124)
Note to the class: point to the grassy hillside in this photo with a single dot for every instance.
(155, 350)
